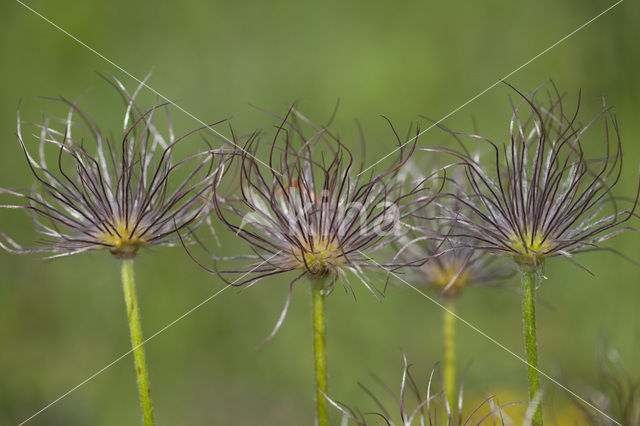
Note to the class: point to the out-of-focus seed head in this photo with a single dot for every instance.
(449, 265)
(435, 258)
(456, 269)
(95, 191)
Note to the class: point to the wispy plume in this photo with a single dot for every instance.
(95, 191)
(544, 197)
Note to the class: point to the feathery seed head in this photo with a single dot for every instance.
(309, 211)
(544, 197)
(111, 194)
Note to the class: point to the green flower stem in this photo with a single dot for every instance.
(449, 335)
(319, 351)
(529, 281)
(133, 312)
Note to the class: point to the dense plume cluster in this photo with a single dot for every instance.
(444, 217)
(311, 211)
(544, 196)
(95, 192)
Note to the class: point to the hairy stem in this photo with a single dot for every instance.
(529, 283)
(133, 313)
(449, 335)
(319, 351)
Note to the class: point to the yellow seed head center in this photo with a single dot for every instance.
(452, 277)
(122, 243)
(321, 257)
(530, 252)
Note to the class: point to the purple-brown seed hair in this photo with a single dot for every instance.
(103, 192)
(544, 197)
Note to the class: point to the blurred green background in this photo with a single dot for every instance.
(64, 320)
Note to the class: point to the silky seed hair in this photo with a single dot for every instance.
(543, 197)
(418, 406)
(616, 393)
(311, 213)
(95, 192)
